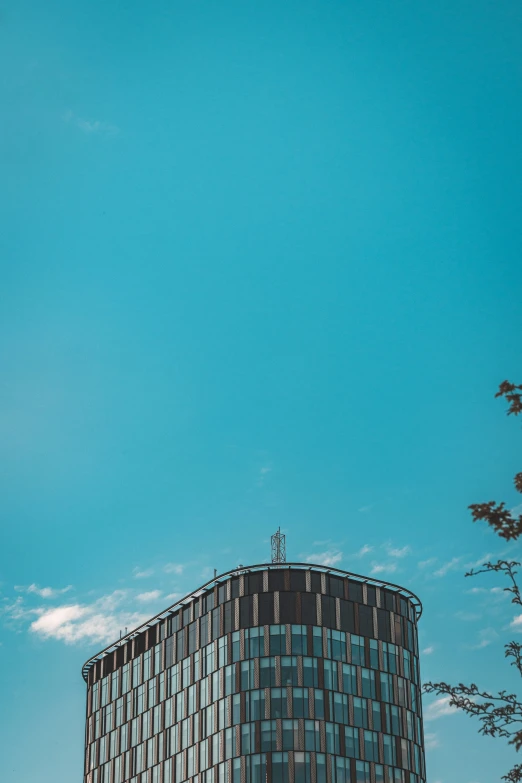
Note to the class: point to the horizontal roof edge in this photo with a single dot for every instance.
(235, 572)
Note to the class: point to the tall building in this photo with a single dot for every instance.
(282, 673)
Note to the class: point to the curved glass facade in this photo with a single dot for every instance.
(283, 675)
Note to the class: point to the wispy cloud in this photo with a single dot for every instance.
(383, 568)
(364, 550)
(486, 637)
(173, 597)
(451, 565)
(396, 552)
(150, 595)
(43, 592)
(467, 617)
(365, 509)
(90, 127)
(439, 708)
(427, 563)
(428, 650)
(431, 741)
(142, 574)
(263, 474)
(480, 562)
(516, 623)
(328, 558)
(174, 568)
(99, 622)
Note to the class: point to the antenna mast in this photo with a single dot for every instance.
(278, 542)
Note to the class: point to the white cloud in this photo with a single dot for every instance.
(428, 650)
(151, 595)
(449, 566)
(264, 472)
(174, 568)
(43, 592)
(395, 552)
(439, 708)
(90, 127)
(142, 574)
(480, 562)
(486, 637)
(467, 617)
(18, 611)
(364, 550)
(383, 568)
(96, 622)
(516, 623)
(427, 563)
(328, 558)
(173, 597)
(431, 741)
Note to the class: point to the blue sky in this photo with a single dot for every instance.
(260, 266)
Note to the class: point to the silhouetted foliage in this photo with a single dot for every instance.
(500, 714)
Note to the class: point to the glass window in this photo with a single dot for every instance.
(368, 683)
(255, 705)
(386, 687)
(330, 675)
(288, 670)
(371, 746)
(310, 676)
(312, 735)
(351, 741)
(230, 679)
(395, 720)
(222, 651)
(318, 704)
(254, 642)
(302, 770)
(256, 768)
(290, 735)
(360, 713)
(299, 640)
(278, 703)
(320, 762)
(317, 642)
(357, 647)
(267, 672)
(230, 736)
(376, 715)
(340, 770)
(413, 693)
(362, 772)
(248, 738)
(389, 750)
(374, 654)
(340, 708)
(300, 702)
(389, 654)
(336, 641)
(247, 675)
(277, 640)
(349, 678)
(268, 735)
(235, 646)
(146, 665)
(332, 737)
(279, 767)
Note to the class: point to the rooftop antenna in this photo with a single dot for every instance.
(278, 542)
